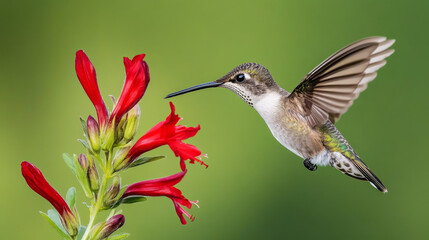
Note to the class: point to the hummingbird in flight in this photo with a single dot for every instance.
(303, 120)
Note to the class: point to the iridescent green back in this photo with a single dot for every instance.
(335, 142)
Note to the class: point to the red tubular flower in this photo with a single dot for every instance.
(166, 132)
(38, 183)
(137, 79)
(137, 72)
(163, 187)
(86, 73)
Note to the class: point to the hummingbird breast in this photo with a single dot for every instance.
(287, 128)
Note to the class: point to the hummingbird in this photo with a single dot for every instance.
(303, 120)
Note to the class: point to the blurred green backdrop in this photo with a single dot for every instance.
(254, 188)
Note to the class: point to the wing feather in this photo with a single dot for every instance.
(347, 80)
(330, 88)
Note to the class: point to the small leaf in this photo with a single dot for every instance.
(84, 126)
(70, 162)
(71, 197)
(144, 160)
(54, 216)
(54, 220)
(119, 236)
(133, 199)
(82, 230)
(85, 144)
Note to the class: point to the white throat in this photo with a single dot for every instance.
(268, 105)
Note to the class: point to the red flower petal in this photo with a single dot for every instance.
(166, 132)
(163, 187)
(186, 151)
(156, 187)
(180, 212)
(137, 79)
(86, 73)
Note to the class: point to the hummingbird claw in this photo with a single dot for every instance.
(310, 166)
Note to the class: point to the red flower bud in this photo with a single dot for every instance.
(111, 225)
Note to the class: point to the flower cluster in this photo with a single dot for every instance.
(110, 151)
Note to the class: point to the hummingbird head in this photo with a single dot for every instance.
(248, 80)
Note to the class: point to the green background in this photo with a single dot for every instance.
(254, 188)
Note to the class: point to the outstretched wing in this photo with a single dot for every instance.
(330, 88)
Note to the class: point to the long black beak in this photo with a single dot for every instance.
(195, 88)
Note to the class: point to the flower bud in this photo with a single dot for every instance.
(119, 162)
(70, 223)
(83, 162)
(111, 196)
(94, 181)
(120, 129)
(132, 123)
(108, 138)
(82, 165)
(111, 225)
(93, 134)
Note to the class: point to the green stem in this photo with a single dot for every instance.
(96, 207)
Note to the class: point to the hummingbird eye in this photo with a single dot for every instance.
(240, 77)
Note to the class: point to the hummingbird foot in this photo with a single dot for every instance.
(310, 166)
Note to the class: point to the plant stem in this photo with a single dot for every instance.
(96, 207)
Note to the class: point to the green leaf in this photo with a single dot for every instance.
(85, 144)
(133, 199)
(144, 160)
(80, 233)
(119, 236)
(84, 126)
(55, 221)
(71, 197)
(70, 162)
